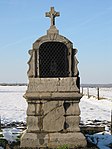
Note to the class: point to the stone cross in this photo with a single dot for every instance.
(52, 14)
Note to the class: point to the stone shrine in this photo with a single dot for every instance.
(53, 92)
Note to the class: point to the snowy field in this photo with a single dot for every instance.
(103, 92)
(13, 106)
(94, 109)
(13, 109)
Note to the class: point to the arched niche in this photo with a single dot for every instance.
(52, 55)
(53, 61)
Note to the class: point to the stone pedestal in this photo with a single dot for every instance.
(53, 113)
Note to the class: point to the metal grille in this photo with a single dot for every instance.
(53, 60)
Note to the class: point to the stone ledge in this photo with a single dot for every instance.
(53, 96)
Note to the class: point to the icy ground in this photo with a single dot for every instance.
(13, 108)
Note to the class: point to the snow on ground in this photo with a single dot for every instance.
(13, 106)
(93, 109)
(103, 92)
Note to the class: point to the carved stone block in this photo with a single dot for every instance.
(71, 108)
(54, 120)
(29, 137)
(31, 110)
(72, 123)
(34, 123)
(49, 106)
(39, 111)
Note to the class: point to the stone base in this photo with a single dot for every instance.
(53, 140)
(53, 114)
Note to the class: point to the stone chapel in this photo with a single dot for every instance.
(53, 92)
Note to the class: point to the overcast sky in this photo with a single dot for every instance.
(87, 23)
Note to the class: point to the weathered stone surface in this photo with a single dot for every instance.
(71, 108)
(34, 140)
(38, 95)
(39, 110)
(53, 96)
(73, 140)
(49, 106)
(29, 140)
(30, 62)
(72, 123)
(31, 109)
(66, 96)
(35, 108)
(54, 120)
(68, 84)
(53, 140)
(53, 84)
(34, 123)
(42, 84)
